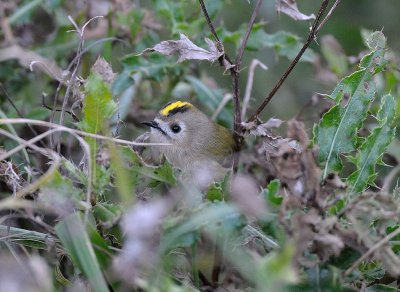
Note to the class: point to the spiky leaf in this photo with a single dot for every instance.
(374, 146)
(98, 104)
(336, 134)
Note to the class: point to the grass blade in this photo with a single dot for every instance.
(76, 241)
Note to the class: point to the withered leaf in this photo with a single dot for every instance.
(289, 7)
(187, 50)
(263, 129)
(104, 69)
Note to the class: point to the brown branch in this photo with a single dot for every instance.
(58, 110)
(327, 16)
(234, 72)
(247, 34)
(314, 30)
(208, 19)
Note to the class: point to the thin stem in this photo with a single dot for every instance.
(327, 16)
(20, 114)
(46, 106)
(208, 19)
(234, 72)
(379, 244)
(247, 34)
(249, 86)
(311, 37)
(77, 132)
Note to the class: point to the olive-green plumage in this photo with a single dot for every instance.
(195, 138)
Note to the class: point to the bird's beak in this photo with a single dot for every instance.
(152, 124)
(155, 125)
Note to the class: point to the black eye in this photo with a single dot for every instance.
(175, 128)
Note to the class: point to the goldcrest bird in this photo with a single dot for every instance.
(196, 140)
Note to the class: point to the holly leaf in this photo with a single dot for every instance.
(336, 134)
(371, 151)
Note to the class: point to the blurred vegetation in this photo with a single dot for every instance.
(313, 207)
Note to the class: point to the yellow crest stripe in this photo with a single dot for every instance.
(165, 111)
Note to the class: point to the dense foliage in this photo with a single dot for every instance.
(312, 203)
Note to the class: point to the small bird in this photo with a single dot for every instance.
(196, 140)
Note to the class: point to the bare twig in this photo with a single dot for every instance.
(311, 37)
(249, 86)
(80, 133)
(236, 92)
(227, 97)
(208, 19)
(54, 166)
(377, 245)
(328, 15)
(57, 110)
(239, 56)
(234, 72)
(20, 114)
(71, 81)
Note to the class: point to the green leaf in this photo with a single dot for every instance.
(371, 151)
(218, 216)
(98, 105)
(218, 191)
(271, 193)
(211, 98)
(276, 270)
(79, 247)
(163, 173)
(153, 67)
(100, 247)
(107, 214)
(285, 44)
(26, 237)
(214, 192)
(59, 192)
(98, 108)
(336, 133)
(333, 53)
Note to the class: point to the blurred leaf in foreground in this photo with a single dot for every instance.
(284, 43)
(76, 241)
(276, 270)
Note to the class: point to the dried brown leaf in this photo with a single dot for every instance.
(289, 7)
(263, 129)
(187, 50)
(104, 69)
